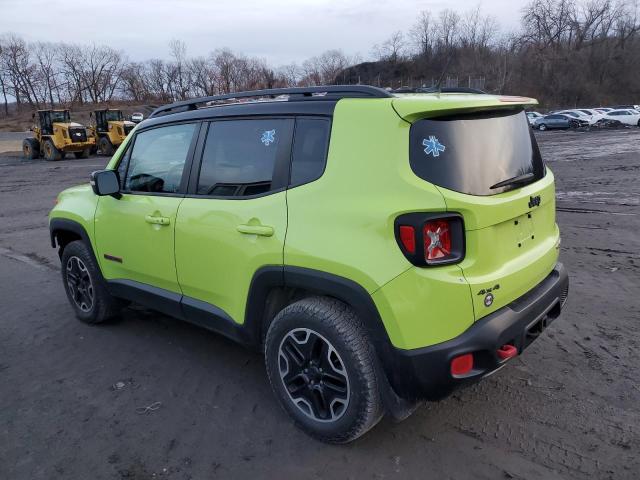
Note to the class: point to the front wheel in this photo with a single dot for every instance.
(542, 127)
(322, 369)
(86, 289)
(51, 153)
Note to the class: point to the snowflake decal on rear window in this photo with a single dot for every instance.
(268, 137)
(433, 146)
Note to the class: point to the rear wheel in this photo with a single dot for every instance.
(84, 153)
(31, 148)
(51, 153)
(106, 147)
(322, 368)
(542, 127)
(86, 289)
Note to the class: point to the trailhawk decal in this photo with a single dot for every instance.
(433, 146)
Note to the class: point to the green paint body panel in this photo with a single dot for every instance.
(146, 249)
(215, 261)
(342, 224)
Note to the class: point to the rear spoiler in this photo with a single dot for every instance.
(417, 106)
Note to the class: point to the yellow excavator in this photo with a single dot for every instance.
(109, 129)
(55, 135)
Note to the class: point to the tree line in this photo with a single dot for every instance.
(566, 52)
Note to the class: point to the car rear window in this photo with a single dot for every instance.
(471, 153)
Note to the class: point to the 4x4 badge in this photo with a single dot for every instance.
(433, 146)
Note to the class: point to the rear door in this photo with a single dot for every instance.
(488, 168)
(234, 218)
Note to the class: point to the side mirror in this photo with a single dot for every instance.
(105, 182)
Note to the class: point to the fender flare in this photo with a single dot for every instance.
(320, 283)
(57, 225)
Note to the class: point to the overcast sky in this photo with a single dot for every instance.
(280, 31)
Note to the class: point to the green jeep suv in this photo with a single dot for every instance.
(380, 249)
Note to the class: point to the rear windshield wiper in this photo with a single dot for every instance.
(514, 180)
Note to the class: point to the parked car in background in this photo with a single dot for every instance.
(596, 116)
(578, 114)
(137, 117)
(558, 120)
(626, 116)
(533, 116)
(603, 109)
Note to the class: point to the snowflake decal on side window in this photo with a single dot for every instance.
(268, 137)
(433, 146)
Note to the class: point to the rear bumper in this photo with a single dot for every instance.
(425, 373)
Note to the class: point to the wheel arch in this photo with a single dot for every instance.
(273, 288)
(64, 231)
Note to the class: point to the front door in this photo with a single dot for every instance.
(135, 233)
(234, 219)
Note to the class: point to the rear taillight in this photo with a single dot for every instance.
(437, 239)
(408, 238)
(431, 239)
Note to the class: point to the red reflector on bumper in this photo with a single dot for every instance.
(507, 351)
(462, 365)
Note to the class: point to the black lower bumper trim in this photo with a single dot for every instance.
(425, 373)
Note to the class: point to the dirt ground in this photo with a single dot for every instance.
(72, 396)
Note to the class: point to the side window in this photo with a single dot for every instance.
(157, 159)
(310, 145)
(240, 156)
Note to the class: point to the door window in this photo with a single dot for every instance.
(240, 157)
(157, 159)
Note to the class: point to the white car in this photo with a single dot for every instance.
(626, 116)
(137, 117)
(596, 116)
(580, 115)
(533, 116)
(603, 109)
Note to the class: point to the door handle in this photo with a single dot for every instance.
(262, 230)
(157, 220)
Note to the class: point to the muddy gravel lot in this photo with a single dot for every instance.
(71, 394)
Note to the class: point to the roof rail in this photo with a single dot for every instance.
(330, 92)
(439, 90)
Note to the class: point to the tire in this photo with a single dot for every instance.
(542, 127)
(574, 124)
(321, 333)
(51, 153)
(86, 289)
(31, 148)
(83, 154)
(105, 146)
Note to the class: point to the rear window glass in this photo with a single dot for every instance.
(472, 153)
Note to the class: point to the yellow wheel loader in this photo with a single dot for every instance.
(109, 130)
(55, 135)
